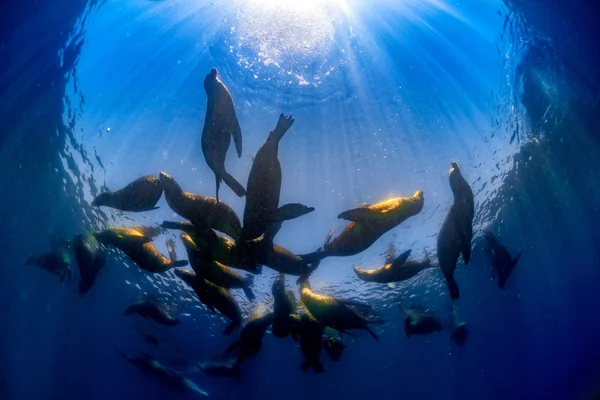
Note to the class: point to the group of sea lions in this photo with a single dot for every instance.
(217, 242)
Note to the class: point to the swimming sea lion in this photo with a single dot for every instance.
(456, 231)
(502, 263)
(336, 313)
(140, 195)
(332, 342)
(220, 124)
(310, 332)
(400, 269)
(169, 377)
(90, 258)
(251, 336)
(368, 224)
(460, 332)
(221, 367)
(214, 298)
(132, 242)
(202, 211)
(419, 322)
(213, 271)
(284, 304)
(55, 262)
(150, 310)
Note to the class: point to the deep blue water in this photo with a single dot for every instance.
(384, 95)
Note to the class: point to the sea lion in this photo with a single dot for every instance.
(169, 377)
(420, 322)
(310, 332)
(202, 211)
(132, 242)
(251, 337)
(205, 267)
(55, 262)
(221, 367)
(264, 187)
(284, 304)
(332, 342)
(214, 298)
(502, 262)
(456, 231)
(220, 124)
(91, 259)
(336, 313)
(138, 196)
(460, 332)
(369, 223)
(400, 269)
(150, 310)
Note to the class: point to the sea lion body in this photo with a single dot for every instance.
(399, 270)
(138, 196)
(150, 310)
(500, 258)
(310, 333)
(202, 211)
(221, 368)
(251, 337)
(419, 322)
(332, 342)
(335, 313)
(456, 231)
(284, 304)
(214, 297)
(91, 259)
(220, 125)
(55, 262)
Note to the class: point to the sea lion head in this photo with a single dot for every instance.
(169, 184)
(455, 177)
(101, 200)
(211, 78)
(278, 285)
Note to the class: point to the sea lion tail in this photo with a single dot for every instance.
(230, 181)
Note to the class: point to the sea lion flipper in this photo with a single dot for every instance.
(401, 259)
(283, 125)
(233, 347)
(359, 214)
(354, 303)
(466, 253)
(292, 211)
(516, 259)
(180, 263)
(230, 181)
(236, 133)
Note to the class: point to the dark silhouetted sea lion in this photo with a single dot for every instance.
(333, 344)
(56, 262)
(167, 376)
(140, 195)
(310, 332)
(150, 310)
(213, 271)
(251, 337)
(214, 298)
(284, 304)
(420, 322)
(202, 211)
(502, 262)
(221, 367)
(460, 332)
(456, 231)
(220, 124)
(336, 313)
(91, 259)
(400, 269)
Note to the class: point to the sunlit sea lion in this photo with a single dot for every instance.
(167, 376)
(214, 297)
(140, 195)
(251, 337)
(502, 262)
(213, 271)
(400, 269)
(150, 310)
(220, 125)
(284, 304)
(202, 211)
(420, 322)
(310, 332)
(368, 224)
(221, 367)
(136, 246)
(336, 313)
(55, 262)
(91, 259)
(333, 344)
(456, 231)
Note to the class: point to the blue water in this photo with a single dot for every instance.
(384, 95)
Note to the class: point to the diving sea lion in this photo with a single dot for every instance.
(150, 310)
(456, 231)
(213, 271)
(140, 195)
(90, 258)
(419, 322)
(400, 269)
(220, 124)
(133, 243)
(214, 298)
(55, 262)
(169, 377)
(502, 263)
(336, 313)
(284, 304)
(221, 367)
(332, 342)
(202, 211)
(251, 337)
(264, 187)
(310, 332)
